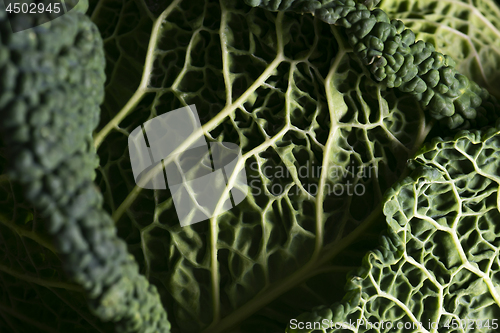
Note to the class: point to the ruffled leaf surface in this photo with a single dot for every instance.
(311, 126)
(438, 267)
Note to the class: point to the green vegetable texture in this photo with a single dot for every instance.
(371, 157)
(438, 265)
(396, 60)
(51, 91)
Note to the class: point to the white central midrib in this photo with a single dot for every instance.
(332, 136)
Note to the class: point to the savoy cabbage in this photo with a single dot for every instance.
(333, 154)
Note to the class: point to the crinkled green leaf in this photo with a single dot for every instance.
(35, 293)
(282, 88)
(467, 30)
(439, 265)
(393, 56)
(287, 91)
(52, 87)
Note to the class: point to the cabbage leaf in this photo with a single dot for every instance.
(309, 121)
(438, 267)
